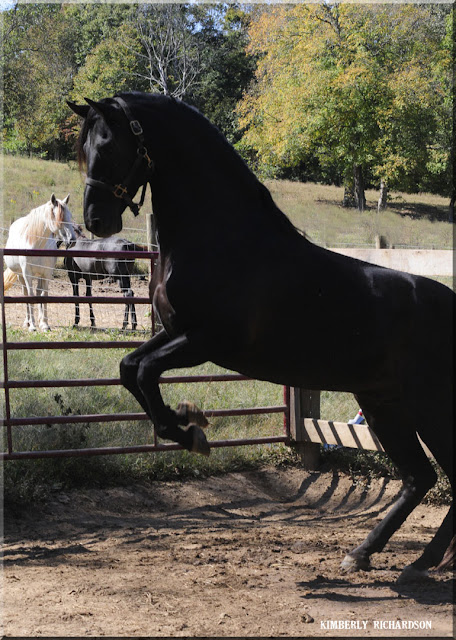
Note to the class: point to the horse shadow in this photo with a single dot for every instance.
(429, 591)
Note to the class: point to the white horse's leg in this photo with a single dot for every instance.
(28, 279)
(42, 290)
(24, 293)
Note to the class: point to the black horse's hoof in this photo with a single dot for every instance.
(351, 564)
(411, 574)
(189, 413)
(200, 443)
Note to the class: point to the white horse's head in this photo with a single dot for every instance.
(61, 221)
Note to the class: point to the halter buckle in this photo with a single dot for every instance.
(120, 191)
(136, 127)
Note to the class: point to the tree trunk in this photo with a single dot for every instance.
(349, 197)
(451, 209)
(360, 196)
(382, 200)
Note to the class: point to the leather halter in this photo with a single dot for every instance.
(121, 190)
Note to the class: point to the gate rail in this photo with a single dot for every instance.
(9, 422)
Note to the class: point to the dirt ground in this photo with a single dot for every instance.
(106, 315)
(244, 554)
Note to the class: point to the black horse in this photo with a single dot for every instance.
(90, 269)
(230, 262)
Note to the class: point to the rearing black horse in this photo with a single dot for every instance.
(230, 261)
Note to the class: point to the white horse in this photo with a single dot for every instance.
(36, 231)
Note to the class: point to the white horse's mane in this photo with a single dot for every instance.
(41, 218)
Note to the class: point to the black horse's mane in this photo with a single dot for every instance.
(208, 131)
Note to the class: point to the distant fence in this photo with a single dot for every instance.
(421, 262)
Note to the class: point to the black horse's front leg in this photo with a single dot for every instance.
(75, 283)
(139, 373)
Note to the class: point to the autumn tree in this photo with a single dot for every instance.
(353, 86)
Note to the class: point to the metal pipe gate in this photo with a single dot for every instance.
(9, 422)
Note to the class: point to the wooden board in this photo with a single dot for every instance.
(357, 436)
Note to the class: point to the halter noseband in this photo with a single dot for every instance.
(121, 190)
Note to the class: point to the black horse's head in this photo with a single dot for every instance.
(111, 147)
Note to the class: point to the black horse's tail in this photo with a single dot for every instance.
(448, 560)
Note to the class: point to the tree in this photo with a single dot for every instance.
(226, 68)
(37, 65)
(170, 57)
(110, 67)
(332, 83)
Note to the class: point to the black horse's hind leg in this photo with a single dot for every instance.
(139, 373)
(134, 322)
(402, 445)
(88, 281)
(125, 286)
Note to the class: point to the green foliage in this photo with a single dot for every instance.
(55, 52)
(109, 68)
(354, 86)
(340, 89)
(37, 75)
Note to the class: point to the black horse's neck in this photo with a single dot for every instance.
(200, 181)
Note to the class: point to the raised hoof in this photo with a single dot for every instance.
(190, 414)
(411, 574)
(352, 564)
(200, 443)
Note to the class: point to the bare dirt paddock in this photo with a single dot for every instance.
(245, 554)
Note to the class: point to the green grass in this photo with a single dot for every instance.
(411, 220)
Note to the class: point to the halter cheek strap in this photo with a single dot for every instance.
(121, 190)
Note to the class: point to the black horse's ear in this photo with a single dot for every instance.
(104, 110)
(80, 109)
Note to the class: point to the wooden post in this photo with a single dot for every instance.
(304, 403)
(151, 231)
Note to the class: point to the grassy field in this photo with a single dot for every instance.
(409, 221)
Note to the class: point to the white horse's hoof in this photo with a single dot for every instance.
(45, 327)
(410, 574)
(351, 564)
(32, 327)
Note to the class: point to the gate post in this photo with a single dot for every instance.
(304, 403)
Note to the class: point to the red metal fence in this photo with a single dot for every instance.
(9, 421)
